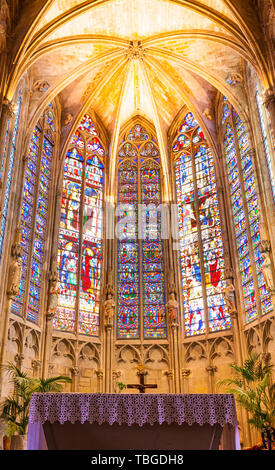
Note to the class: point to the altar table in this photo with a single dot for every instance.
(82, 421)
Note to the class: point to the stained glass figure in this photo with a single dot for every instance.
(139, 183)
(34, 216)
(267, 150)
(246, 217)
(10, 167)
(80, 233)
(201, 245)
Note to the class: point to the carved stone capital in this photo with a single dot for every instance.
(116, 374)
(169, 374)
(266, 358)
(75, 371)
(36, 365)
(49, 317)
(265, 246)
(251, 153)
(7, 108)
(233, 314)
(269, 98)
(19, 358)
(99, 374)
(185, 373)
(228, 273)
(211, 369)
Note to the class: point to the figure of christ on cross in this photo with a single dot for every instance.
(141, 386)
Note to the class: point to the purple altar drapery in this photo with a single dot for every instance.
(129, 410)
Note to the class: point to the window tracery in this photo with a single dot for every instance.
(200, 238)
(246, 214)
(34, 220)
(140, 263)
(80, 233)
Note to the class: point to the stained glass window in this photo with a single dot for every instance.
(34, 212)
(80, 233)
(246, 217)
(267, 150)
(140, 301)
(201, 245)
(10, 166)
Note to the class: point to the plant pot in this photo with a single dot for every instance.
(19, 442)
(6, 443)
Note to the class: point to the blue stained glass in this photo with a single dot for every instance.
(198, 206)
(268, 153)
(10, 171)
(89, 176)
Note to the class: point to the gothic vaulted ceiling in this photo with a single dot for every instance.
(128, 57)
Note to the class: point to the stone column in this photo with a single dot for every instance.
(109, 313)
(100, 375)
(211, 372)
(115, 376)
(269, 103)
(185, 375)
(170, 377)
(7, 115)
(19, 358)
(51, 310)
(230, 301)
(75, 371)
(14, 277)
(5, 30)
(172, 308)
(36, 367)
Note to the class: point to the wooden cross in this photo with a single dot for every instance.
(141, 386)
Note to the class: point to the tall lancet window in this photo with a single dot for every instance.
(140, 263)
(34, 211)
(7, 165)
(266, 141)
(246, 217)
(201, 245)
(80, 233)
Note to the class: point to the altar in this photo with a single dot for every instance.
(81, 421)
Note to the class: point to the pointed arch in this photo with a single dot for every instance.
(140, 301)
(243, 189)
(34, 215)
(200, 236)
(80, 247)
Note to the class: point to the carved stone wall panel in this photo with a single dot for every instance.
(14, 351)
(88, 365)
(268, 339)
(253, 340)
(156, 360)
(31, 353)
(196, 360)
(221, 355)
(126, 361)
(62, 360)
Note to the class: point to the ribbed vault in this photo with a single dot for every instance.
(145, 57)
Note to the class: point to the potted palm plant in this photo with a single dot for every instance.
(15, 408)
(254, 391)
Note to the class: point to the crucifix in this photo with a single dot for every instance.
(141, 386)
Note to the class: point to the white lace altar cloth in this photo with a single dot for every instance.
(132, 409)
